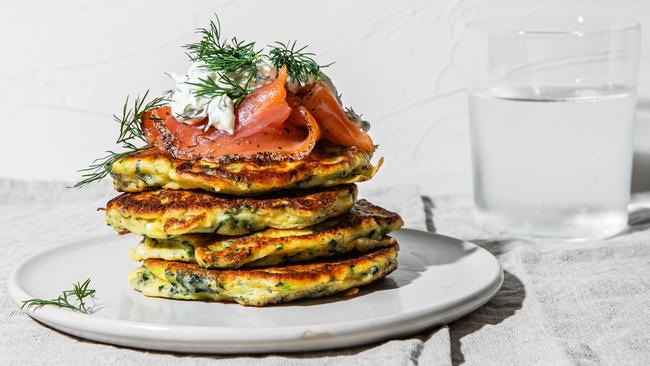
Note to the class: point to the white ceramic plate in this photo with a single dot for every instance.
(439, 279)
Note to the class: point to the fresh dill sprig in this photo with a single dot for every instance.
(80, 291)
(131, 134)
(231, 59)
(101, 167)
(209, 88)
(235, 63)
(225, 56)
(300, 65)
(130, 124)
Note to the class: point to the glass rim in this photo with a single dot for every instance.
(554, 25)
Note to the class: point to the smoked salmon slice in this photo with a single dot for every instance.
(335, 126)
(266, 127)
(293, 140)
(270, 124)
(266, 106)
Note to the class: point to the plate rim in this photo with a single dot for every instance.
(290, 338)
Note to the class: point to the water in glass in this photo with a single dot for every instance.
(552, 161)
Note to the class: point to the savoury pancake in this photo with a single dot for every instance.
(327, 165)
(262, 286)
(361, 229)
(166, 213)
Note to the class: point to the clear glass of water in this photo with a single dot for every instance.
(552, 105)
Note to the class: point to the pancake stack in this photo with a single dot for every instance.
(251, 231)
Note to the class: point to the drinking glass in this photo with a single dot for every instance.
(551, 106)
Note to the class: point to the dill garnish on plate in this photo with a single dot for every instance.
(74, 299)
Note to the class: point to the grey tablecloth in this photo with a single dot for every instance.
(561, 303)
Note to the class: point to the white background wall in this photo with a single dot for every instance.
(67, 66)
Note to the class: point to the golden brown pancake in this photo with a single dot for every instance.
(166, 213)
(361, 229)
(262, 286)
(327, 165)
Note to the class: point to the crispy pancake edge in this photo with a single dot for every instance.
(328, 165)
(362, 228)
(259, 287)
(166, 213)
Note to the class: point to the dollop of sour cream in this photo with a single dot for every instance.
(187, 107)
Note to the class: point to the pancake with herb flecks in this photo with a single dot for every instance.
(361, 229)
(166, 213)
(327, 165)
(262, 286)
